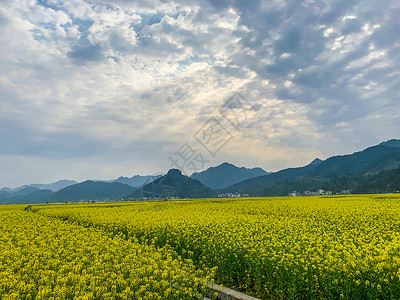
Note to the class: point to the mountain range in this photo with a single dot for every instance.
(375, 169)
(54, 186)
(343, 172)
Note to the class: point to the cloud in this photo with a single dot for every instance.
(117, 83)
(89, 53)
(3, 19)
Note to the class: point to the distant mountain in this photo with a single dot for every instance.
(90, 190)
(315, 162)
(391, 143)
(24, 191)
(39, 195)
(386, 163)
(373, 159)
(335, 173)
(226, 175)
(375, 169)
(173, 184)
(137, 180)
(255, 186)
(4, 194)
(305, 183)
(85, 191)
(54, 186)
(27, 195)
(384, 182)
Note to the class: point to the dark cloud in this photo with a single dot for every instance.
(3, 19)
(352, 26)
(120, 43)
(232, 71)
(83, 54)
(289, 42)
(281, 67)
(336, 10)
(22, 141)
(220, 4)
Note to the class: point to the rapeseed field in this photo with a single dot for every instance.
(338, 247)
(47, 258)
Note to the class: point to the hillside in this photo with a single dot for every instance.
(26, 195)
(90, 190)
(255, 186)
(343, 172)
(54, 186)
(85, 191)
(373, 159)
(384, 182)
(225, 175)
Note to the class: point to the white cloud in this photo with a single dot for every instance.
(121, 82)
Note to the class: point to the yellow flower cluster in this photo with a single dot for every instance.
(49, 258)
(301, 247)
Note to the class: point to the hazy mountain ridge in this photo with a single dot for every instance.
(27, 195)
(91, 190)
(80, 192)
(363, 171)
(134, 181)
(54, 186)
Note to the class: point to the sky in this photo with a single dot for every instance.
(102, 89)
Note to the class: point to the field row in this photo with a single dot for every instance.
(48, 258)
(313, 247)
